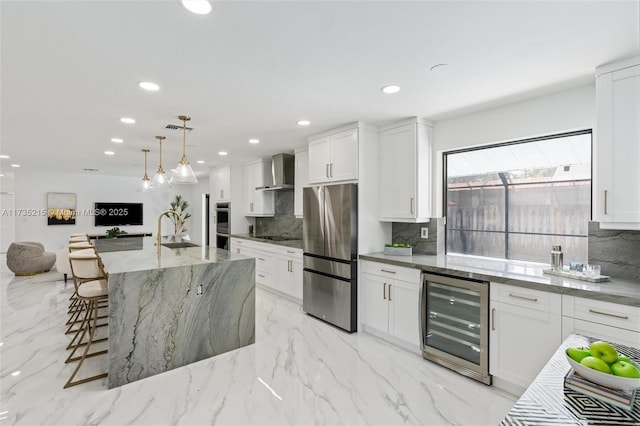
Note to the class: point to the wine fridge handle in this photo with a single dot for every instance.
(422, 311)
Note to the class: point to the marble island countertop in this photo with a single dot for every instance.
(516, 273)
(147, 258)
(546, 401)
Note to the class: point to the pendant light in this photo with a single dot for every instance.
(160, 180)
(184, 172)
(145, 185)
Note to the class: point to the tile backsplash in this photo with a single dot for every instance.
(284, 222)
(617, 252)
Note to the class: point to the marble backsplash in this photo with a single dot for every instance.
(409, 233)
(284, 222)
(616, 251)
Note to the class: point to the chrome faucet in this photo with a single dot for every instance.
(166, 213)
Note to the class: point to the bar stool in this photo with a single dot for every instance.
(76, 307)
(90, 282)
(78, 238)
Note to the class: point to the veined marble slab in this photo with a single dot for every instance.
(185, 309)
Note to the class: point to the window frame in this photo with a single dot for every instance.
(445, 155)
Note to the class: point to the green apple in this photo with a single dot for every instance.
(605, 351)
(625, 369)
(623, 358)
(578, 354)
(396, 245)
(596, 364)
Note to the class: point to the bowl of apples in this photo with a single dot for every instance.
(602, 364)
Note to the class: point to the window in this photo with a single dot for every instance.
(516, 200)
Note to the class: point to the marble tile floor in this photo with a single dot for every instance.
(301, 371)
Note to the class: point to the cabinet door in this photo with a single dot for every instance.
(617, 199)
(222, 184)
(249, 189)
(375, 302)
(319, 159)
(398, 173)
(286, 277)
(296, 265)
(404, 302)
(521, 341)
(344, 164)
(301, 180)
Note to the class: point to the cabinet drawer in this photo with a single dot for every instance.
(290, 252)
(526, 297)
(607, 313)
(265, 278)
(411, 275)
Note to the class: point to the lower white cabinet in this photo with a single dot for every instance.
(278, 268)
(525, 331)
(391, 301)
(601, 320)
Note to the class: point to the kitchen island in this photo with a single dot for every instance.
(171, 308)
(546, 401)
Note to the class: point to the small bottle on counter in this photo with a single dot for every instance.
(556, 258)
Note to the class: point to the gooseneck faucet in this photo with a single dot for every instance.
(166, 213)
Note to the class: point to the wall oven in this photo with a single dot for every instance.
(454, 321)
(223, 211)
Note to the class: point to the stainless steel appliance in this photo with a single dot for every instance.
(330, 246)
(223, 211)
(282, 171)
(454, 324)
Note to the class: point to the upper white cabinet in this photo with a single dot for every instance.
(334, 157)
(258, 203)
(616, 199)
(221, 184)
(405, 170)
(301, 179)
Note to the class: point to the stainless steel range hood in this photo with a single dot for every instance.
(283, 172)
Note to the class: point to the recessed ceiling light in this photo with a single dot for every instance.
(440, 67)
(222, 153)
(390, 89)
(117, 140)
(1, 174)
(16, 373)
(303, 122)
(200, 7)
(4, 156)
(254, 140)
(15, 165)
(200, 161)
(127, 120)
(109, 153)
(147, 85)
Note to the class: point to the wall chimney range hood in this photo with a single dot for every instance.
(282, 171)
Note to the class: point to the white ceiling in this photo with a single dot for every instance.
(70, 69)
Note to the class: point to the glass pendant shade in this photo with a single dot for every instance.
(145, 185)
(184, 172)
(160, 179)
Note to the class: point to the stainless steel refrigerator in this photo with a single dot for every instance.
(330, 245)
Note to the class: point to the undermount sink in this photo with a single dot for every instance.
(181, 244)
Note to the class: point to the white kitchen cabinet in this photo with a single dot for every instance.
(405, 172)
(616, 200)
(525, 331)
(391, 302)
(221, 184)
(301, 179)
(334, 157)
(277, 268)
(258, 203)
(601, 320)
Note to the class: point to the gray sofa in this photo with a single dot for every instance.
(29, 258)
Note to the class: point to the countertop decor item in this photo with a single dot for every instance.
(398, 250)
(577, 275)
(605, 379)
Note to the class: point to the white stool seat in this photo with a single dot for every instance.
(94, 288)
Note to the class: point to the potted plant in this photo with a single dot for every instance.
(179, 205)
(113, 232)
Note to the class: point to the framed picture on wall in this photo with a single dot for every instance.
(61, 208)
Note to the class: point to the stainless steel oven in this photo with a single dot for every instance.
(454, 321)
(222, 223)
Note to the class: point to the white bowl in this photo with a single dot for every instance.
(604, 379)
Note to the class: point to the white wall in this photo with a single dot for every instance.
(7, 205)
(31, 193)
(566, 110)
